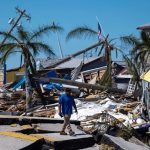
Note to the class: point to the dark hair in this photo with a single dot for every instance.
(67, 90)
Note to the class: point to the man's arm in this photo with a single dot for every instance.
(59, 107)
(74, 105)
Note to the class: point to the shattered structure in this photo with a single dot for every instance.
(108, 117)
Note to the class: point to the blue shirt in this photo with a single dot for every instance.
(66, 102)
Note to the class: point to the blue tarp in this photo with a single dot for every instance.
(52, 86)
(19, 83)
(52, 74)
(67, 77)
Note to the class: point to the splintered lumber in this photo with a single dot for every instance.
(75, 54)
(79, 84)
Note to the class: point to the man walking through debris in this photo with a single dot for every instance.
(66, 102)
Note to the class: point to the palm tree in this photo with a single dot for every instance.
(134, 69)
(140, 48)
(29, 45)
(106, 45)
(140, 52)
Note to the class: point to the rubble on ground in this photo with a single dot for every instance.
(95, 111)
(100, 112)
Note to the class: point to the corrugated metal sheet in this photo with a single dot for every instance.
(96, 63)
(72, 63)
(75, 62)
(48, 62)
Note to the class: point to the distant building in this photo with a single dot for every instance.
(145, 28)
(15, 74)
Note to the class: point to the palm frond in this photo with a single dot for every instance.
(7, 53)
(146, 39)
(106, 78)
(23, 35)
(10, 37)
(45, 30)
(101, 49)
(141, 47)
(83, 31)
(7, 46)
(118, 49)
(39, 47)
(130, 40)
(132, 68)
(140, 55)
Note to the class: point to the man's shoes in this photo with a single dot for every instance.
(71, 133)
(63, 133)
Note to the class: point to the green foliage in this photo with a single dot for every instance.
(140, 52)
(45, 30)
(79, 32)
(28, 43)
(134, 69)
(140, 48)
(106, 46)
(106, 79)
(130, 40)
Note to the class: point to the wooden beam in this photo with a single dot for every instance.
(79, 84)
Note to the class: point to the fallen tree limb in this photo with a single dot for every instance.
(79, 84)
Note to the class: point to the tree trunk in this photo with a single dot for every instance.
(28, 83)
(79, 84)
(108, 61)
(28, 86)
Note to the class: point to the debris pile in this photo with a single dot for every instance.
(121, 117)
(116, 110)
(13, 102)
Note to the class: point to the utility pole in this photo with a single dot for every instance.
(59, 45)
(15, 23)
(60, 48)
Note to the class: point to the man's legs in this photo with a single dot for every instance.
(67, 124)
(69, 127)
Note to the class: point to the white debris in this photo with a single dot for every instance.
(90, 108)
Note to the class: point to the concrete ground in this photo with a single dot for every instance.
(11, 143)
(10, 139)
